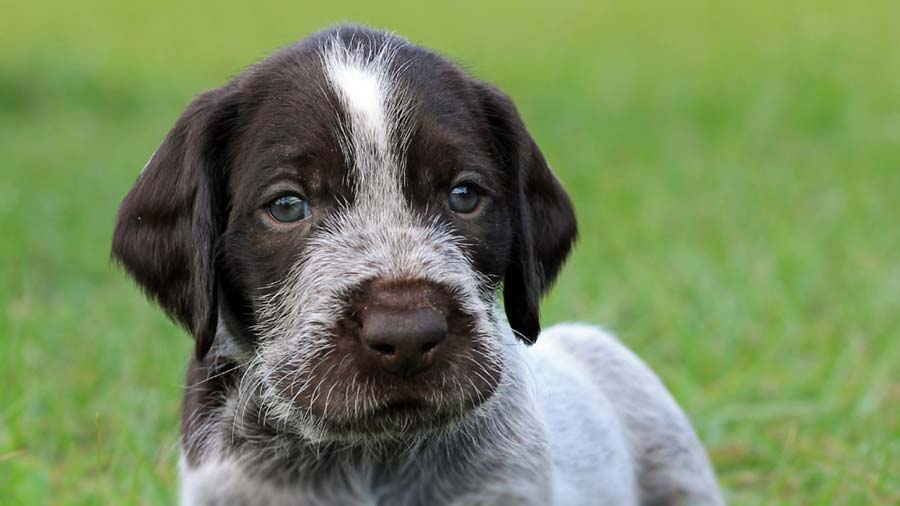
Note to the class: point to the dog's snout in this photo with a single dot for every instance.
(403, 342)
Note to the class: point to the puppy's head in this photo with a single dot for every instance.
(343, 214)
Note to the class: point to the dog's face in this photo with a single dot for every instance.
(344, 214)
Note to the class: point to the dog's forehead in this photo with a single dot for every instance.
(356, 105)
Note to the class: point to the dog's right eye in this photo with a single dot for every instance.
(289, 208)
(463, 198)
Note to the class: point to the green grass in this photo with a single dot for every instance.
(735, 166)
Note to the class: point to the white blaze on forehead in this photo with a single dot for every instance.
(362, 92)
(376, 110)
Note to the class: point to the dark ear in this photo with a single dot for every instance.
(168, 224)
(544, 220)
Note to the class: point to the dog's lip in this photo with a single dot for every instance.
(399, 407)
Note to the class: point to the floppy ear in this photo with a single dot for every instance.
(544, 226)
(168, 224)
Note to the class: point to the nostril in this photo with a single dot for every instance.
(383, 348)
(428, 346)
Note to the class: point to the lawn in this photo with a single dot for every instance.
(735, 167)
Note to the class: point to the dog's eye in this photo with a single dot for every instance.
(463, 198)
(288, 208)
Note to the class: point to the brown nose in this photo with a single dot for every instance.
(403, 342)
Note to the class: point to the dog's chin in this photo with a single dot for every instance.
(400, 420)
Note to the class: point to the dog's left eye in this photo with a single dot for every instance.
(289, 208)
(463, 198)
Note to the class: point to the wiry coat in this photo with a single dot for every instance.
(289, 398)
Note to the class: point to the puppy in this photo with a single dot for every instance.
(334, 227)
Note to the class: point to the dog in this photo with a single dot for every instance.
(334, 227)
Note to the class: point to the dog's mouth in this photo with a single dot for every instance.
(400, 408)
(340, 398)
(402, 414)
(352, 391)
(395, 419)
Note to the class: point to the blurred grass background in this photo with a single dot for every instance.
(735, 166)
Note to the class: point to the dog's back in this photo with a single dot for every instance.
(622, 430)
